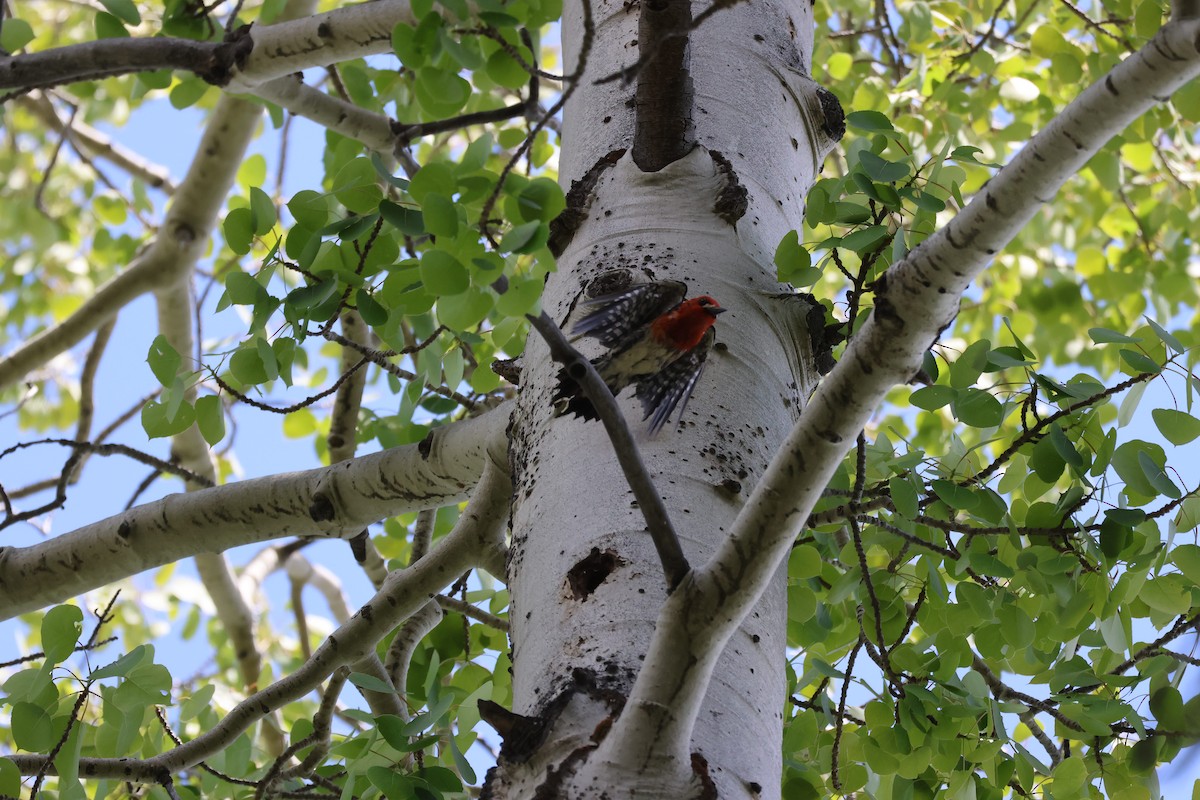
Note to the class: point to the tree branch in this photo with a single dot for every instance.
(917, 298)
(179, 243)
(98, 145)
(480, 528)
(355, 122)
(336, 501)
(650, 502)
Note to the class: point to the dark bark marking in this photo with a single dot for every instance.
(321, 509)
(731, 203)
(591, 571)
(425, 446)
(708, 788)
(579, 199)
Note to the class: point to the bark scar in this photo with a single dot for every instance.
(579, 200)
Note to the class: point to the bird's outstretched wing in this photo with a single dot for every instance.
(661, 392)
(619, 315)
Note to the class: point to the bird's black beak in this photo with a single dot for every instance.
(715, 310)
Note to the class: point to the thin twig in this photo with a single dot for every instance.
(662, 532)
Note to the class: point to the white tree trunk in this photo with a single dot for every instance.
(586, 583)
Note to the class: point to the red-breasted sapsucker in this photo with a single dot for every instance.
(656, 339)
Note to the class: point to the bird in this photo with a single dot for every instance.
(656, 339)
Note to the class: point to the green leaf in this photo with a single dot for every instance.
(525, 238)
(542, 200)
(441, 215)
(804, 563)
(355, 187)
(239, 230)
(443, 274)
(158, 423)
(435, 177)
(15, 34)
(144, 685)
(967, 368)
(1113, 537)
(109, 27)
(865, 239)
(978, 409)
(869, 121)
(10, 774)
(461, 763)
(881, 169)
(310, 209)
(1187, 558)
(61, 627)
(793, 262)
(955, 496)
(243, 290)
(1106, 336)
(372, 312)
(904, 497)
(247, 367)
(198, 702)
(394, 785)
(187, 92)
(1157, 476)
(1064, 447)
(1166, 704)
(263, 209)
(163, 360)
(506, 71)
(1140, 361)
(1127, 462)
(931, 398)
(406, 220)
(966, 154)
(1166, 594)
(463, 311)
(1176, 426)
(521, 297)
(306, 298)
(32, 727)
(125, 10)
(122, 665)
(1069, 776)
(1166, 338)
(393, 730)
(441, 93)
(210, 418)
(1046, 462)
(372, 684)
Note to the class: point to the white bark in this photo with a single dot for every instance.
(571, 499)
(355, 122)
(339, 500)
(339, 35)
(920, 297)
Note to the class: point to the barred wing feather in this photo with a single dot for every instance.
(620, 315)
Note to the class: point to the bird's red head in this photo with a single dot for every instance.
(684, 326)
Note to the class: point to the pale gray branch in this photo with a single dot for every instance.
(334, 501)
(916, 299)
(480, 528)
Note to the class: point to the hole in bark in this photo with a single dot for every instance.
(591, 571)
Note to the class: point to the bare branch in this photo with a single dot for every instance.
(339, 500)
